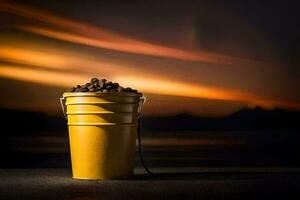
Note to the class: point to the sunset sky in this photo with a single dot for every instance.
(199, 57)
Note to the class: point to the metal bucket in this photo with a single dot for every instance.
(102, 133)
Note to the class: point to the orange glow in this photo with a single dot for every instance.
(134, 47)
(164, 87)
(58, 59)
(30, 57)
(99, 37)
(62, 22)
(40, 76)
(155, 86)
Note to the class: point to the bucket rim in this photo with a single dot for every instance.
(95, 94)
(99, 113)
(102, 124)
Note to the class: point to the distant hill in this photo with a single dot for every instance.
(245, 119)
(16, 122)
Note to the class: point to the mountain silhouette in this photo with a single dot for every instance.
(18, 122)
(27, 123)
(244, 119)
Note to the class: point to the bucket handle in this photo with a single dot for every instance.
(141, 102)
(139, 130)
(63, 106)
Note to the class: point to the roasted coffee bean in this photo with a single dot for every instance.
(92, 90)
(108, 83)
(94, 80)
(109, 87)
(115, 85)
(98, 89)
(96, 84)
(83, 90)
(77, 88)
(100, 85)
(91, 86)
(83, 86)
(120, 89)
(72, 89)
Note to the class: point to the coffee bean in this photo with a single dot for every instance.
(83, 86)
(96, 84)
(91, 86)
(115, 85)
(92, 90)
(100, 85)
(109, 87)
(98, 89)
(72, 89)
(120, 89)
(83, 90)
(78, 87)
(94, 80)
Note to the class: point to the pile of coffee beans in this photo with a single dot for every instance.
(100, 85)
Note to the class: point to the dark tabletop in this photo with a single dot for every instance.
(58, 184)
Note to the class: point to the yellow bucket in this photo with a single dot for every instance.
(102, 133)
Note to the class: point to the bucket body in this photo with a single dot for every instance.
(102, 133)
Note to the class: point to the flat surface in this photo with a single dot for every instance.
(58, 184)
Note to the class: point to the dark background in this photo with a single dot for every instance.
(247, 59)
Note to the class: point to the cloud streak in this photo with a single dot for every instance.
(87, 34)
(64, 70)
(147, 85)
